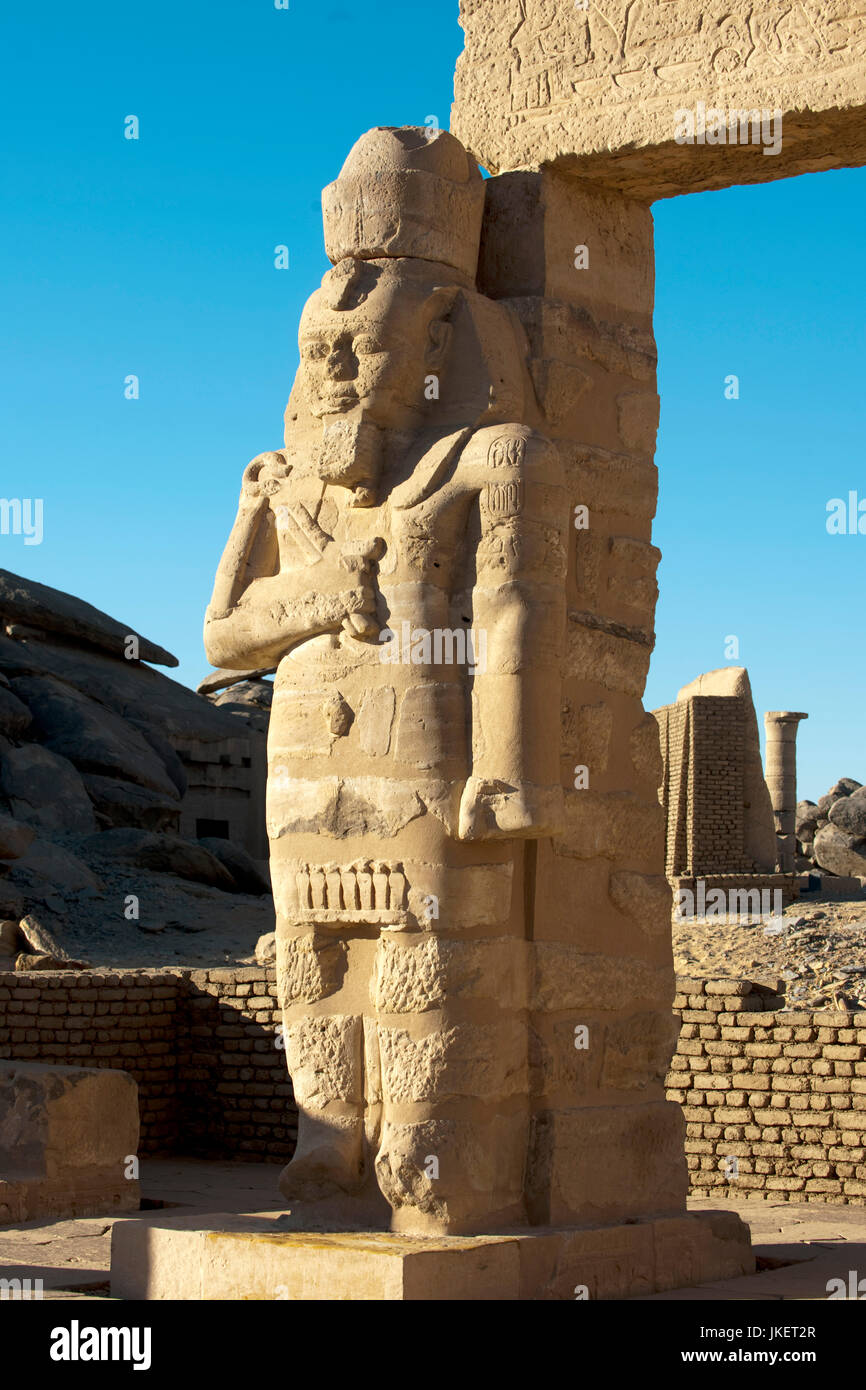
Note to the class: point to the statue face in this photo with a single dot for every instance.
(371, 358)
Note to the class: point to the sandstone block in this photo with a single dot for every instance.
(66, 1137)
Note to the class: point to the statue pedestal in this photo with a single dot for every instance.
(227, 1257)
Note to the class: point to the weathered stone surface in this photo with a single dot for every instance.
(839, 853)
(467, 1061)
(28, 961)
(11, 902)
(247, 876)
(66, 1137)
(47, 867)
(51, 610)
(638, 1050)
(324, 1059)
(491, 1152)
(91, 736)
(848, 814)
(266, 949)
(341, 806)
(531, 224)
(597, 92)
(15, 837)
(9, 940)
(15, 717)
(597, 821)
(566, 979)
(807, 820)
(222, 680)
(846, 786)
(416, 975)
(606, 1164)
(644, 897)
(308, 969)
(229, 1257)
(39, 939)
(45, 789)
(166, 854)
(586, 732)
(254, 694)
(164, 751)
(121, 803)
(129, 689)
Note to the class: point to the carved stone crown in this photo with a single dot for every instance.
(406, 191)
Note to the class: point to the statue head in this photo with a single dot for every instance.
(398, 338)
(371, 337)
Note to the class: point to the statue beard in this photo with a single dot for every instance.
(350, 455)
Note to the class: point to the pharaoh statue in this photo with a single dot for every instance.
(400, 562)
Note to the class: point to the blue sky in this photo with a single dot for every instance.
(156, 258)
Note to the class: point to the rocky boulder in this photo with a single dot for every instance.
(266, 949)
(51, 610)
(221, 679)
(167, 854)
(808, 820)
(10, 943)
(129, 689)
(120, 803)
(249, 694)
(15, 838)
(46, 869)
(91, 736)
(15, 717)
(849, 813)
(45, 789)
(243, 869)
(839, 853)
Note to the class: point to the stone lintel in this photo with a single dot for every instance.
(598, 91)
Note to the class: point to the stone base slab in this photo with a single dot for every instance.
(229, 1257)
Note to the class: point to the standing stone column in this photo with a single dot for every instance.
(781, 764)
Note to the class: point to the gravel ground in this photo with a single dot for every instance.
(817, 959)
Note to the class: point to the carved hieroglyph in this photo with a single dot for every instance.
(595, 85)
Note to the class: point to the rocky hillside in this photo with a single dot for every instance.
(91, 788)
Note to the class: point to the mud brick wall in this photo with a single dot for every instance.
(782, 1093)
(233, 1085)
(201, 1044)
(102, 1019)
(718, 746)
(674, 735)
(703, 747)
(774, 1101)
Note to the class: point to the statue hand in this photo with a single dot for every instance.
(341, 588)
(262, 476)
(358, 558)
(491, 809)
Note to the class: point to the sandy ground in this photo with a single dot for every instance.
(817, 959)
